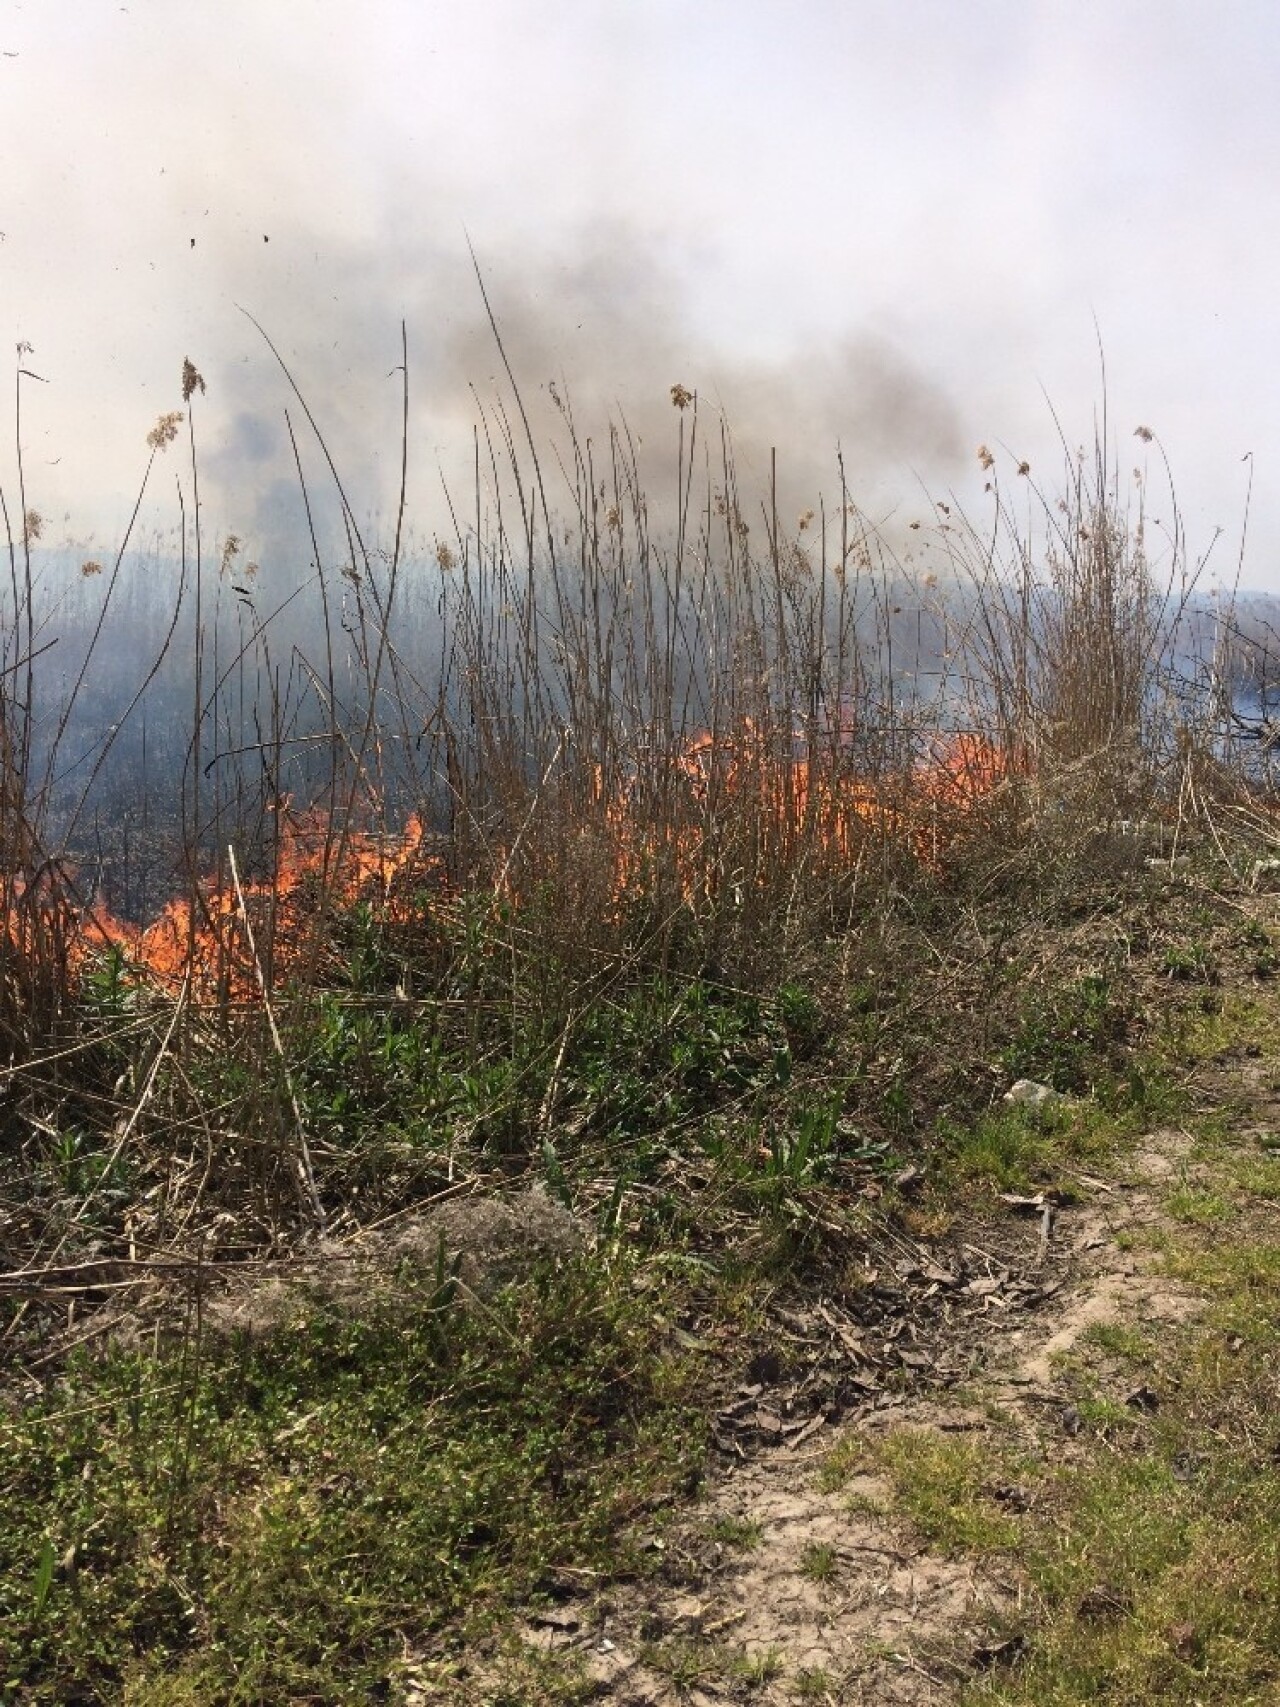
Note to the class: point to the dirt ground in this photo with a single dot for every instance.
(777, 1587)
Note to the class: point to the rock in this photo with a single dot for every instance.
(488, 1241)
(485, 1242)
(1028, 1094)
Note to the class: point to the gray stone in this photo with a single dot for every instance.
(1026, 1093)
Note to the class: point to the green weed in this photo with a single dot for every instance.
(1117, 1340)
(755, 1670)
(739, 1532)
(813, 1683)
(1153, 1557)
(1068, 1034)
(273, 1518)
(941, 1483)
(819, 1562)
(1192, 962)
(1196, 1205)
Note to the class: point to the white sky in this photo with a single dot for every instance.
(885, 223)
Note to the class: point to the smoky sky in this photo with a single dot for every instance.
(596, 340)
(893, 231)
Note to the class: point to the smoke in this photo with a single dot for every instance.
(334, 205)
(597, 331)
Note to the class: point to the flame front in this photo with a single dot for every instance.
(234, 940)
(793, 802)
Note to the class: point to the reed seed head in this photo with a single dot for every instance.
(165, 430)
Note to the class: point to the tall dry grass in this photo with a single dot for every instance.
(640, 730)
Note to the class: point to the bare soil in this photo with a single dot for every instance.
(966, 1336)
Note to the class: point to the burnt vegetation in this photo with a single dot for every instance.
(712, 871)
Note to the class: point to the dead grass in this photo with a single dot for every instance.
(714, 921)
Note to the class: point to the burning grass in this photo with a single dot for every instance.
(321, 871)
(653, 878)
(616, 771)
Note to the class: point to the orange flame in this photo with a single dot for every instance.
(218, 940)
(791, 803)
(793, 799)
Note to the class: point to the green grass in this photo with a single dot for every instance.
(1257, 1175)
(1157, 1582)
(742, 1533)
(755, 1670)
(690, 1662)
(1149, 1558)
(1007, 1147)
(1192, 962)
(813, 1683)
(1069, 1030)
(251, 1522)
(1016, 1150)
(1194, 1204)
(1153, 1559)
(942, 1485)
(1117, 1340)
(819, 1562)
(216, 1520)
(685, 1662)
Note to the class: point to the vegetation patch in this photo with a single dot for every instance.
(646, 878)
(275, 1516)
(1154, 1560)
(1152, 1551)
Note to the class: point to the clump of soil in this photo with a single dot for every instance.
(476, 1244)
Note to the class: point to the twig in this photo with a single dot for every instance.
(306, 1174)
(142, 1101)
(553, 1083)
(499, 882)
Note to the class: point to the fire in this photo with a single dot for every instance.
(234, 924)
(792, 801)
(234, 938)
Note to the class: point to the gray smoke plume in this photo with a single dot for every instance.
(599, 331)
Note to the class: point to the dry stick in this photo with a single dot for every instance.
(29, 1068)
(324, 603)
(199, 904)
(553, 1083)
(306, 1175)
(142, 1101)
(21, 663)
(500, 880)
(373, 674)
(130, 1124)
(72, 698)
(28, 691)
(164, 1265)
(124, 1136)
